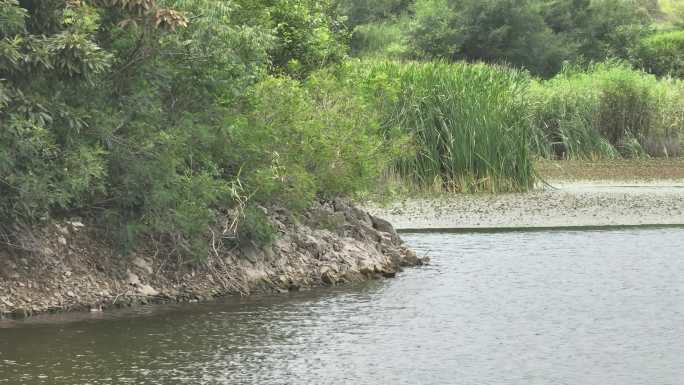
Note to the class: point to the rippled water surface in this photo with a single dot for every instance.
(580, 308)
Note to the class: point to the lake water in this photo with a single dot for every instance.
(553, 307)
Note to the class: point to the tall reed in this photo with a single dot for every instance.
(468, 124)
(605, 111)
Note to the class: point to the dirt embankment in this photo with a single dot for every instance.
(65, 267)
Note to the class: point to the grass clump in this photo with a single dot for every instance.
(606, 111)
(465, 126)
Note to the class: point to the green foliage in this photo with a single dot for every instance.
(132, 114)
(539, 35)
(12, 18)
(387, 39)
(42, 119)
(302, 141)
(662, 54)
(496, 31)
(308, 33)
(674, 12)
(161, 118)
(467, 123)
(599, 29)
(255, 228)
(607, 111)
(613, 28)
(569, 17)
(432, 34)
(360, 12)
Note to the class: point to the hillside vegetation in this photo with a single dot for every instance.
(160, 120)
(155, 120)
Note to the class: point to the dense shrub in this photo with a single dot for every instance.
(301, 141)
(611, 28)
(308, 34)
(467, 124)
(606, 111)
(133, 116)
(662, 54)
(159, 118)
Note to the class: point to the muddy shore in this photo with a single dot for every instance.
(65, 266)
(562, 203)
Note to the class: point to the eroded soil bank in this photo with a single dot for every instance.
(66, 267)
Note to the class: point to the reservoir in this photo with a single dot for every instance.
(543, 307)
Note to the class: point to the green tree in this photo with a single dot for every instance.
(613, 28)
(599, 29)
(511, 31)
(359, 12)
(136, 115)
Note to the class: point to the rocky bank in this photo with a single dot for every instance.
(66, 266)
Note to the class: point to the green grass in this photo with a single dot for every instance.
(607, 111)
(467, 124)
(661, 54)
(478, 128)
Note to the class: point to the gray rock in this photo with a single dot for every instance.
(133, 279)
(360, 215)
(62, 229)
(147, 290)
(382, 225)
(143, 264)
(251, 253)
(269, 254)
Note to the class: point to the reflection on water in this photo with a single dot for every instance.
(589, 307)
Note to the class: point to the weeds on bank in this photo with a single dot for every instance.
(607, 111)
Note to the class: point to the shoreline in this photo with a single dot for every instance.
(65, 267)
(563, 204)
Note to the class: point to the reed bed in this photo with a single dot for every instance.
(607, 111)
(468, 125)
